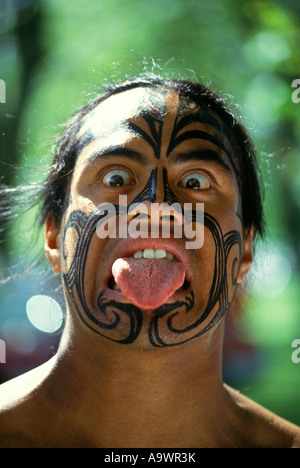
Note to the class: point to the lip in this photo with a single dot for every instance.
(127, 247)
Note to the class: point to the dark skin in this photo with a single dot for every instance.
(126, 377)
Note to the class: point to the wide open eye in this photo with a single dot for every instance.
(195, 181)
(117, 178)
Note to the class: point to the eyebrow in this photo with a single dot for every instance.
(203, 117)
(115, 151)
(201, 155)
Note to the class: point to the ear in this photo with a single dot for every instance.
(247, 257)
(52, 245)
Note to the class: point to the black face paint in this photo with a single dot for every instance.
(169, 196)
(106, 320)
(112, 314)
(178, 137)
(155, 137)
(149, 191)
(182, 121)
(165, 316)
(122, 322)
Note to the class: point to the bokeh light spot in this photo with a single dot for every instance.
(44, 313)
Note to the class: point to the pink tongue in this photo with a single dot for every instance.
(148, 283)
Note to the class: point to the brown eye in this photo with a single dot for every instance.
(195, 182)
(117, 178)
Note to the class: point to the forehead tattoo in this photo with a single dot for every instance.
(111, 117)
(152, 108)
(181, 133)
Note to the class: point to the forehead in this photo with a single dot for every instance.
(118, 109)
(113, 113)
(148, 113)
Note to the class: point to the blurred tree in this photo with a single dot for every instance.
(23, 20)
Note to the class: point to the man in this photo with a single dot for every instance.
(140, 360)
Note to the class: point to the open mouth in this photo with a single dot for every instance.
(149, 277)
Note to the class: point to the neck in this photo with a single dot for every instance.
(136, 398)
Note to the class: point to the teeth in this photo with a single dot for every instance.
(160, 253)
(170, 256)
(138, 254)
(149, 253)
(153, 253)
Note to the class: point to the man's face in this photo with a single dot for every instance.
(153, 147)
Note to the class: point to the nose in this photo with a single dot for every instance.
(155, 193)
(149, 192)
(169, 196)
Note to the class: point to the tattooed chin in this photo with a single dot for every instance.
(171, 324)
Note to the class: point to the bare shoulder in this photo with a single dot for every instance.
(270, 430)
(21, 387)
(15, 403)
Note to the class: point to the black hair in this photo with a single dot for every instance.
(54, 194)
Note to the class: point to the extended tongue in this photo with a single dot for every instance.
(148, 284)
